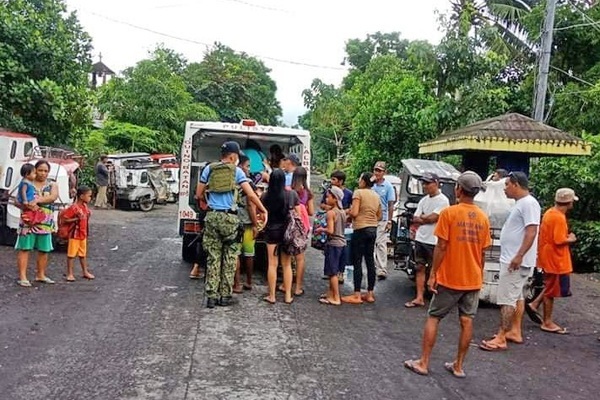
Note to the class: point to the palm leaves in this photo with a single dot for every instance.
(496, 21)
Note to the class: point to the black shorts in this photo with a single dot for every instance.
(274, 234)
(424, 254)
(335, 262)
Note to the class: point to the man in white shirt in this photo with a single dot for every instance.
(426, 216)
(518, 257)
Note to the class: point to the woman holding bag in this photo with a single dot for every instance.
(278, 203)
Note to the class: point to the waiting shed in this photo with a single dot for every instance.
(511, 138)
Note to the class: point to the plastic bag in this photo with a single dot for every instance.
(494, 203)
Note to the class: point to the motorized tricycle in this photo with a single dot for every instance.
(411, 192)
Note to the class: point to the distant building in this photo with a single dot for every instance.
(99, 71)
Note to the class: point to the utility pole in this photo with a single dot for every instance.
(544, 65)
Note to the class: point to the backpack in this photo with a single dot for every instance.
(65, 229)
(221, 178)
(295, 236)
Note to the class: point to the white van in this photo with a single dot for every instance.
(202, 144)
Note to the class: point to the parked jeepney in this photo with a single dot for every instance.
(139, 183)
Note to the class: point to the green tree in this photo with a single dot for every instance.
(394, 113)
(44, 66)
(152, 94)
(330, 120)
(236, 85)
(498, 22)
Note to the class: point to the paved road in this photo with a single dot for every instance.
(140, 331)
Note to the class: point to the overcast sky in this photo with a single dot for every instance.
(283, 33)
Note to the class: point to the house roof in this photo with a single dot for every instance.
(508, 133)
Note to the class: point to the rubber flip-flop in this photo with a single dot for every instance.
(268, 300)
(301, 293)
(412, 304)
(194, 276)
(533, 315)
(289, 302)
(247, 287)
(70, 280)
(449, 366)
(559, 331)
(45, 280)
(352, 300)
(89, 278)
(412, 365)
(327, 302)
(366, 298)
(509, 340)
(24, 283)
(491, 347)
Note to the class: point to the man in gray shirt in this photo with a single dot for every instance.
(101, 182)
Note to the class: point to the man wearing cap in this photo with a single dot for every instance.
(518, 257)
(426, 216)
(387, 196)
(554, 256)
(463, 232)
(290, 162)
(222, 224)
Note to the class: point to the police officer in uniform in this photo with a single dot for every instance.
(222, 226)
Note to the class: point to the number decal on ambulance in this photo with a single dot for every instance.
(187, 214)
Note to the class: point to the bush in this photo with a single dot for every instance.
(578, 173)
(586, 251)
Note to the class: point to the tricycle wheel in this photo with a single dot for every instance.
(146, 204)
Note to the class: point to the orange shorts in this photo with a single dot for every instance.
(77, 248)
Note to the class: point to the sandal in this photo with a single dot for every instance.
(268, 300)
(45, 280)
(24, 283)
(329, 303)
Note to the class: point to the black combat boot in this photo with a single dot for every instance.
(211, 303)
(227, 301)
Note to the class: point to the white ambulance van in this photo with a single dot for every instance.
(201, 145)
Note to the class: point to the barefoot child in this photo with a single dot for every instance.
(336, 241)
(78, 214)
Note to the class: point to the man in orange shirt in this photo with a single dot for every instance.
(463, 233)
(554, 255)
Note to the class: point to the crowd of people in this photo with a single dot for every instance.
(450, 244)
(460, 234)
(450, 241)
(240, 212)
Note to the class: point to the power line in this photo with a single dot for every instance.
(248, 4)
(562, 28)
(281, 60)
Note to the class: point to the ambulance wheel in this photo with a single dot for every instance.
(146, 204)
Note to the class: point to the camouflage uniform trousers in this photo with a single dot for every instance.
(222, 247)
